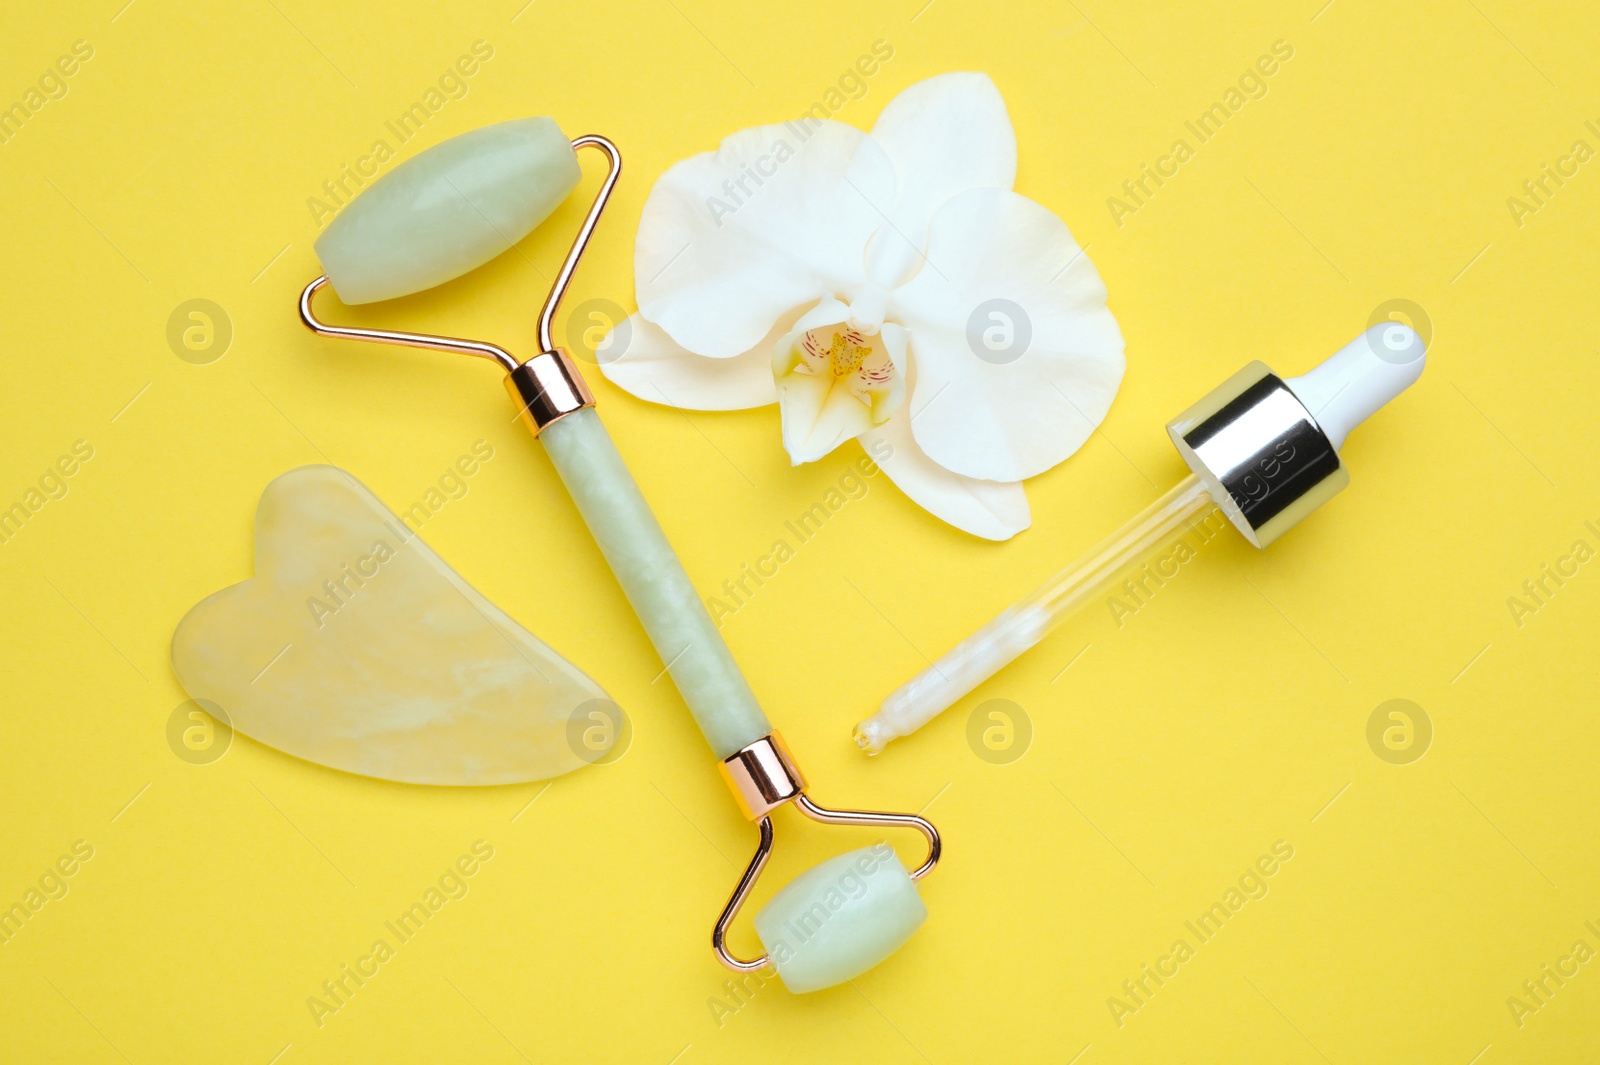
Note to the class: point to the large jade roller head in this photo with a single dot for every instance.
(449, 210)
(453, 208)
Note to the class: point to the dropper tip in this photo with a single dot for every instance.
(871, 736)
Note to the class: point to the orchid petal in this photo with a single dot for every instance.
(730, 240)
(1017, 357)
(944, 135)
(994, 510)
(817, 417)
(654, 367)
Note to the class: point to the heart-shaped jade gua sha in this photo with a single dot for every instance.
(357, 647)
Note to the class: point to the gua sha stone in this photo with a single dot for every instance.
(449, 210)
(357, 647)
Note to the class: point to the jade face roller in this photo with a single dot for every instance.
(453, 208)
(1264, 450)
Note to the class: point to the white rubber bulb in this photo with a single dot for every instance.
(839, 919)
(1360, 377)
(448, 210)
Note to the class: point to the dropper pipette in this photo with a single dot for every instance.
(1262, 449)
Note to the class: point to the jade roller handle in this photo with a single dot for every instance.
(654, 581)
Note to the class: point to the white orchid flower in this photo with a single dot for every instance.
(887, 287)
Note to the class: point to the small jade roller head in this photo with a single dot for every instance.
(837, 919)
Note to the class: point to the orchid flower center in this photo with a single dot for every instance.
(853, 359)
(846, 353)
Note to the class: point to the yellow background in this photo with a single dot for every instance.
(1225, 716)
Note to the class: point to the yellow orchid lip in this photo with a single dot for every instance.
(846, 353)
(842, 352)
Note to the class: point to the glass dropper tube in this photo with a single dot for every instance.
(1022, 625)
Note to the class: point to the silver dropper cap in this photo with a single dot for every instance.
(1267, 450)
